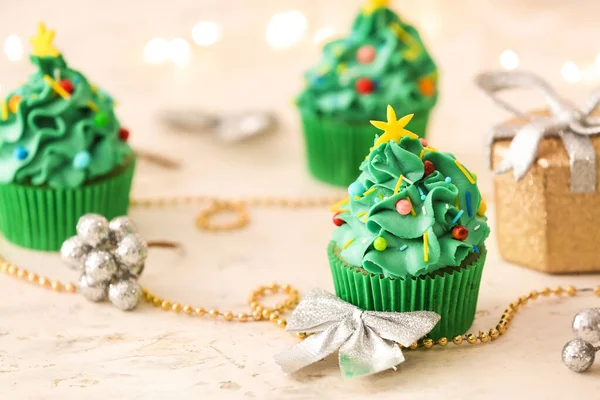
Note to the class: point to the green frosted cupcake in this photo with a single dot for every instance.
(411, 234)
(382, 61)
(63, 153)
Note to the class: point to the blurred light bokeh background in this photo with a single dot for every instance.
(231, 55)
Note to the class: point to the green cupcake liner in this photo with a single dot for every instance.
(453, 295)
(335, 149)
(42, 218)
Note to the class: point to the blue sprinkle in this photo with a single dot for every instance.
(356, 189)
(476, 249)
(423, 197)
(457, 216)
(75, 80)
(20, 153)
(376, 200)
(19, 92)
(403, 248)
(469, 209)
(448, 179)
(82, 159)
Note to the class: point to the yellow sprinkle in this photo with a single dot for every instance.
(425, 247)
(482, 208)
(380, 196)
(4, 111)
(92, 106)
(365, 220)
(335, 207)
(57, 88)
(348, 243)
(370, 191)
(356, 197)
(456, 204)
(422, 153)
(94, 88)
(360, 214)
(432, 149)
(341, 68)
(464, 171)
(397, 188)
(412, 209)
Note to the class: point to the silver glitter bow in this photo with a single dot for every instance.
(572, 125)
(366, 339)
(110, 257)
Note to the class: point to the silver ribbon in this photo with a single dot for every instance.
(366, 339)
(572, 125)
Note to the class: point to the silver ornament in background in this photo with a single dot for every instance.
(73, 252)
(132, 250)
(121, 227)
(100, 267)
(579, 355)
(125, 294)
(586, 325)
(93, 229)
(111, 257)
(92, 292)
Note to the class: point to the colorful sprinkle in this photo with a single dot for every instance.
(364, 86)
(422, 153)
(429, 167)
(20, 153)
(337, 221)
(423, 197)
(56, 87)
(376, 200)
(464, 171)
(4, 111)
(460, 213)
(67, 85)
(380, 244)
(356, 189)
(336, 207)
(448, 179)
(408, 180)
(366, 54)
(482, 208)
(412, 210)
(123, 134)
(469, 209)
(403, 248)
(477, 228)
(425, 247)
(360, 214)
(476, 249)
(424, 211)
(370, 191)
(348, 243)
(92, 106)
(13, 103)
(82, 159)
(398, 184)
(101, 119)
(403, 207)
(424, 142)
(459, 232)
(456, 203)
(76, 80)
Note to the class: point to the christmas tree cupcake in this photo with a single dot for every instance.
(382, 61)
(411, 233)
(63, 153)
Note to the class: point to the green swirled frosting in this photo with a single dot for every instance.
(58, 141)
(437, 200)
(400, 70)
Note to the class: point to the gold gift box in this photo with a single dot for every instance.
(540, 223)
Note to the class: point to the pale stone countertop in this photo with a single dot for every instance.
(60, 346)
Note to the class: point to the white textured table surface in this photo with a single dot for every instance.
(61, 346)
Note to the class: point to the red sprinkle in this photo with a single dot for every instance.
(365, 86)
(123, 134)
(337, 220)
(429, 167)
(459, 232)
(67, 85)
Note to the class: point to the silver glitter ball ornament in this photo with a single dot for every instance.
(73, 252)
(578, 355)
(121, 227)
(100, 267)
(91, 292)
(125, 294)
(93, 229)
(586, 325)
(132, 250)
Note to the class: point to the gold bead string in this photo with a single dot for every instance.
(35, 279)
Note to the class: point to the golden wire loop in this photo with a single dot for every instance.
(203, 220)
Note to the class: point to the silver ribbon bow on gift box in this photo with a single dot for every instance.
(572, 125)
(367, 340)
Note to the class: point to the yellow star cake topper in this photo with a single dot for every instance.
(372, 5)
(42, 42)
(393, 129)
